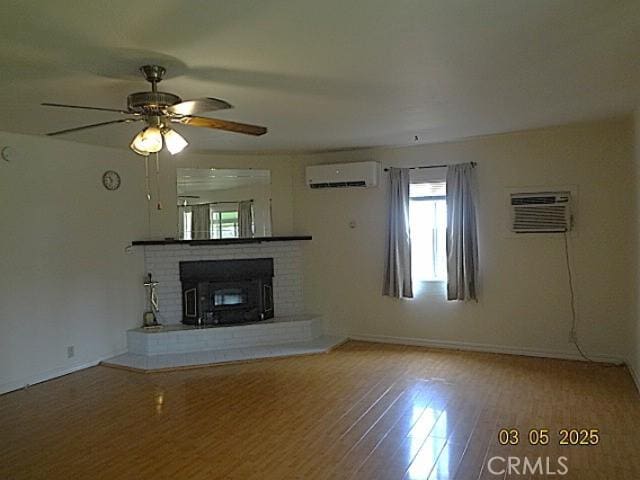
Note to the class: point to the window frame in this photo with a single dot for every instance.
(218, 226)
(427, 286)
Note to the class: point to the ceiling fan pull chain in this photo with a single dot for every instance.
(148, 194)
(158, 204)
(146, 177)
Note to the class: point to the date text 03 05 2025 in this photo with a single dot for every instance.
(542, 436)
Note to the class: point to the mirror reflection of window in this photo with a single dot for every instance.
(186, 222)
(223, 203)
(224, 223)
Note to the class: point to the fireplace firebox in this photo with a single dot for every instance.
(218, 292)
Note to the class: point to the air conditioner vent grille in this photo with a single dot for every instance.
(360, 183)
(540, 213)
(535, 200)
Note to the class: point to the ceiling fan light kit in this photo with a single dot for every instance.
(174, 142)
(135, 149)
(158, 110)
(147, 141)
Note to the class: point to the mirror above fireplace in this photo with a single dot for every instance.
(216, 203)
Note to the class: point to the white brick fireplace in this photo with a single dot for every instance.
(291, 332)
(162, 261)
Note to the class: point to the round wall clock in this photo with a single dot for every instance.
(111, 180)
(8, 154)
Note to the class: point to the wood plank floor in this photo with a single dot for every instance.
(363, 411)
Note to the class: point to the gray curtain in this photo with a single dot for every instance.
(200, 222)
(462, 233)
(245, 219)
(397, 272)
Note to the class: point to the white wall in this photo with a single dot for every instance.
(66, 279)
(524, 299)
(634, 337)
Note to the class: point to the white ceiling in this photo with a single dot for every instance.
(324, 74)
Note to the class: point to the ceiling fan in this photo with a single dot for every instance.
(159, 110)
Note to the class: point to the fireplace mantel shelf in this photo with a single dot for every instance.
(221, 241)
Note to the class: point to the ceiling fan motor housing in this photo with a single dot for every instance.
(151, 102)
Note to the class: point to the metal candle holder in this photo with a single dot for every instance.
(150, 318)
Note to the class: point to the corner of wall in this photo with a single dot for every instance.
(634, 348)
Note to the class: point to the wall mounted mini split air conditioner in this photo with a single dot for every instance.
(341, 175)
(541, 212)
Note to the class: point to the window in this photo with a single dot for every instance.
(186, 225)
(428, 223)
(224, 223)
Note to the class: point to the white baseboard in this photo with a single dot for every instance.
(634, 375)
(482, 347)
(54, 373)
(422, 342)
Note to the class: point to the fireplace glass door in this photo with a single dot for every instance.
(227, 291)
(230, 296)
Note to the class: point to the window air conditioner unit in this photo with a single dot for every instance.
(543, 212)
(357, 174)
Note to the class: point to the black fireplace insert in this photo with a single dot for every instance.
(218, 292)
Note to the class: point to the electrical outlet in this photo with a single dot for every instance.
(70, 351)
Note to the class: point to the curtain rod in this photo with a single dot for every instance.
(473, 164)
(216, 203)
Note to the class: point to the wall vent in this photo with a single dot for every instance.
(543, 212)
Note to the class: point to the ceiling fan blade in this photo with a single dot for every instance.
(48, 104)
(93, 125)
(222, 125)
(199, 105)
